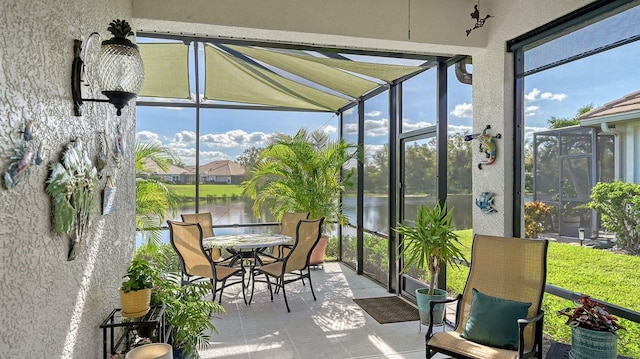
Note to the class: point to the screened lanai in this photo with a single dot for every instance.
(347, 85)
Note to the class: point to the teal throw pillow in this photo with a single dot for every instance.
(494, 321)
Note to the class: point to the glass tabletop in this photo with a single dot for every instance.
(249, 240)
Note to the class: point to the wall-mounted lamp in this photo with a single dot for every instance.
(119, 69)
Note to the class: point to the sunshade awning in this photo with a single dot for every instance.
(265, 77)
(231, 79)
(166, 70)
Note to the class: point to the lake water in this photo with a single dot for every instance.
(376, 215)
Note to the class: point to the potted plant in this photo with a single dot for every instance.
(593, 330)
(135, 292)
(428, 242)
(303, 173)
(187, 314)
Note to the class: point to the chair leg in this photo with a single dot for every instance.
(223, 284)
(284, 293)
(266, 276)
(213, 290)
(310, 285)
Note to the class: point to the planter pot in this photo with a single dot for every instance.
(317, 255)
(151, 351)
(591, 344)
(179, 353)
(135, 304)
(423, 299)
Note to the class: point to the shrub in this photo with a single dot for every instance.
(535, 215)
(619, 205)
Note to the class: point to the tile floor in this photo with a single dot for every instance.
(331, 327)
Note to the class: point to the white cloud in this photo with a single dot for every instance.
(553, 96)
(374, 113)
(148, 136)
(463, 110)
(531, 110)
(376, 127)
(453, 129)
(536, 95)
(184, 137)
(234, 138)
(330, 129)
(532, 96)
(408, 126)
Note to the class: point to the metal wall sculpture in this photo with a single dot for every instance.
(485, 202)
(73, 186)
(487, 145)
(28, 153)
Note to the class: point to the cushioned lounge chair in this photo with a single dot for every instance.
(498, 315)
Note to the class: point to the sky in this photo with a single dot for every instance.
(558, 92)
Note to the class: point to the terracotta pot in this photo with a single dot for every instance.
(135, 304)
(317, 255)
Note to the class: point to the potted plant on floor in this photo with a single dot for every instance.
(428, 242)
(135, 292)
(187, 313)
(593, 330)
(303, 173)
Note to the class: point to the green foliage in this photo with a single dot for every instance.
(430, 241)
(535, 215)
(619, 205)
(302, 174)
(140, 275)
(187, 312)
(559, 122)
(163, 257)
(154, 199)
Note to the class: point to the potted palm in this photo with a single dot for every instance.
(135, 292)
(593, 330)
(303, 173)
(428, 242)
(187, 314)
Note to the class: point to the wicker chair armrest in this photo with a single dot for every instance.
(432, 305)
(537, 343)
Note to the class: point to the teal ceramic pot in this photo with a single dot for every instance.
(591, 344)
(423, 299)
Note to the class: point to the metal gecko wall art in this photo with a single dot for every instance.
(28, 153)
(487, 145)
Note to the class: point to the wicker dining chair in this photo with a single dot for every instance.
(206, 223)
(195, 262)
(295, 265)
(499, 313)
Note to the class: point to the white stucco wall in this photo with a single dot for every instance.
(52, 307)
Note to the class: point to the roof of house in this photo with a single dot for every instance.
(623, 109)
(153, 168)
(220, 168)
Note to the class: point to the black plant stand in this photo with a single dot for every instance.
(561, 351)
(112, 341)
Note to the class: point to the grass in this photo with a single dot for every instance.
(214, 190)
(603, 275)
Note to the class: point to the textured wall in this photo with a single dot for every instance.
(52, 307)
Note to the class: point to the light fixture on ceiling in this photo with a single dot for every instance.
(119, 71)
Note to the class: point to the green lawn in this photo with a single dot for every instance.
(603, 275)
(215, 190)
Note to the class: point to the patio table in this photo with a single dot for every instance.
(245, 248)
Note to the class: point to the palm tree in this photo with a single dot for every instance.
(302, 174)
(154, 199)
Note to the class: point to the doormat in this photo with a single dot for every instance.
(390, 309)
